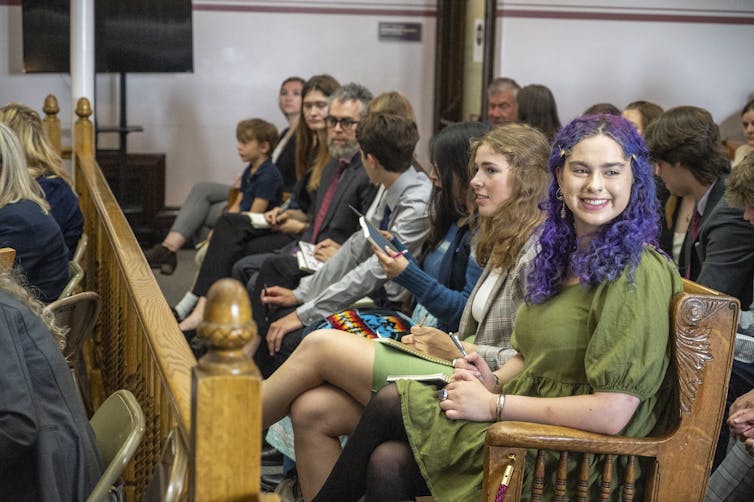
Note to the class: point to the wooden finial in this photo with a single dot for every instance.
(51, 122)
(84, 129)
(226, 385)
(227, 321)
(51, 107)
(83, 108)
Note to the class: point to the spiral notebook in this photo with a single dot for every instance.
(436, 379)
(409, 349)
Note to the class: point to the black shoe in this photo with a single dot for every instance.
(271, 481)
(270, 456)
(159, 256)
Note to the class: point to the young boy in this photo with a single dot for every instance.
(261, 186)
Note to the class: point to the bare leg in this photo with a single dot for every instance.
(341, 359)
(319, 417)
(196, 316)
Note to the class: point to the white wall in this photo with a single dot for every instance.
(243, 50)
(584, 61)
(240, 57)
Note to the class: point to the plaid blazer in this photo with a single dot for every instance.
(492, 334)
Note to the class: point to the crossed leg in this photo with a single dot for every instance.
(325, 356)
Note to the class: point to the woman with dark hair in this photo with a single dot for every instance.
(329, 378)
(445, 274)
(747, 123)
(289, 102)
(641, 114)
(311, 132)
(48, 448)
(592, 339)
(26, 224)
(537, 107)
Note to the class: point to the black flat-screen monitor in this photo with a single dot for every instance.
(131, 36)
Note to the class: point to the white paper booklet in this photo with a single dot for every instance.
(305, 256)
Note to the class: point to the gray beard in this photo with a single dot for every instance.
(342, 152)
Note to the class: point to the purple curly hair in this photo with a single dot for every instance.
(617, 245)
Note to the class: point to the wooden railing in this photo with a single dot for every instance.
(215, 405)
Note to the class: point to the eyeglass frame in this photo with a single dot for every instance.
(346, 123)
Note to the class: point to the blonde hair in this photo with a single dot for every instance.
(13, 286)
(15, 182)
(502, 236)
(739, 187)
(41, 157)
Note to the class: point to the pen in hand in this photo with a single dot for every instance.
(266, 307)
(457, 343)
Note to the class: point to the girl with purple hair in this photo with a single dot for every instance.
(592, 339)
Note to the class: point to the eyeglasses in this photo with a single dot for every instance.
(346, 123)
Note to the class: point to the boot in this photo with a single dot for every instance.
(161, 257)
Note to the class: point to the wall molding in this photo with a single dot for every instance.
(593, 12)
(352, 8)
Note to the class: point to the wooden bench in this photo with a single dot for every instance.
(703, 329)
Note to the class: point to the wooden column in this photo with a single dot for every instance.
(51, 122)
(226, 409)
(84, 129)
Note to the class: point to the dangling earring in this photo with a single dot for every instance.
(559, 196)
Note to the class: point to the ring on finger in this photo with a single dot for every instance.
(442, 394)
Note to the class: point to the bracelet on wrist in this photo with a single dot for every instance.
(499, 407)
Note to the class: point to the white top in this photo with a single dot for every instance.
(483, 294)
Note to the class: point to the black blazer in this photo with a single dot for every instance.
(286, 162)
(722, 256)
(354, 189)
(40, 249)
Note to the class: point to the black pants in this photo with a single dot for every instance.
(232, 239)
(280, 270)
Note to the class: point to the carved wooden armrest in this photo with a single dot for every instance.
(557, 438)
(507, 443)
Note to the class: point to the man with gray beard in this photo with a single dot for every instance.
(344, 182)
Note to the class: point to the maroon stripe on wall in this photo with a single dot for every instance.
(626, 16)
(375, 11)
(316, 10)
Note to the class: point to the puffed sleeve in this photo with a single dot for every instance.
(630, 321)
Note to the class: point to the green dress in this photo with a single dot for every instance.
(612, 337)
